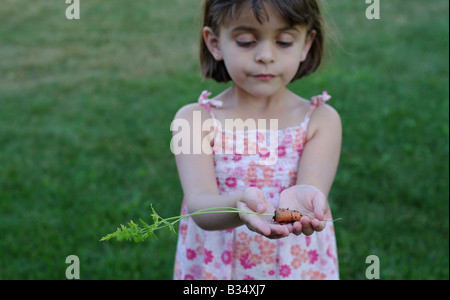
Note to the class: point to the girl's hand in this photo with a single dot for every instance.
(308, 200)
(253, 200)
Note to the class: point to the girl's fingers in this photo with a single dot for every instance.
(320, 206)
(297, 228)
(272, 231)
(278, 231)
(255, 200)
(263, 226)
(318, 225)
(306, 225)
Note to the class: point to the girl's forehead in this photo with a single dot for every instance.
(267, 16)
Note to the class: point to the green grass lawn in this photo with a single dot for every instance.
(85, 113)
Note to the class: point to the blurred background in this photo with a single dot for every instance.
(85, 113)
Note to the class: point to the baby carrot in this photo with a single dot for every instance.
(286, 216)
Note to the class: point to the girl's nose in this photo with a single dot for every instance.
(265, 53)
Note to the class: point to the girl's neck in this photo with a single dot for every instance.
(263, 105)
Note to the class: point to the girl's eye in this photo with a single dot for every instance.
(245, 44)
(285, 44)
(245, 40)
(285, 40)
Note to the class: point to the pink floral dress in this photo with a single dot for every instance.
(240, 254)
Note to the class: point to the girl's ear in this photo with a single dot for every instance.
(212, 42)
(308, 43)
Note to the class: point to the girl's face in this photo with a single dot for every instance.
(260, 58)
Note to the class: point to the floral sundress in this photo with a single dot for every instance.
(240, 254)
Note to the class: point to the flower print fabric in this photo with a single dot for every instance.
(240, 254)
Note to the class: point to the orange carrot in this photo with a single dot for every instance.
(285, 216)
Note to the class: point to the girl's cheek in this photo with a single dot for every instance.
(236, 67)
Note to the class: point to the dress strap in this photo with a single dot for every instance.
(320, 99)
(316, 101)
(207, 103)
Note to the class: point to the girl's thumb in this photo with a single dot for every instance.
(320, 206)
(261, 208)
(256, 200)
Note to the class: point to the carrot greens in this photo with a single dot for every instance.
(141, 231)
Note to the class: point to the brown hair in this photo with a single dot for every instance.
(217, 13)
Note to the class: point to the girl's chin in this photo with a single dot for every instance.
(261, 90)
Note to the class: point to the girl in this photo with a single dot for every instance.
(260, 46)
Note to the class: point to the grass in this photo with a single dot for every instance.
(86, 108)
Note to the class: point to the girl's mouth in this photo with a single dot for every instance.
(265, 77)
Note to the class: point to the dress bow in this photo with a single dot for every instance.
(321, 99)
(204, 100)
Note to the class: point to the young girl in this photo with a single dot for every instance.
(260, 46)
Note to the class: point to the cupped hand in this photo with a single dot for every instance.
(309, 201)
(253, 200)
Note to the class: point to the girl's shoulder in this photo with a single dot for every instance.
(326, 113)
(192, 111)
(324, 118)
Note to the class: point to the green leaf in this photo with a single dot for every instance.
(138, 234)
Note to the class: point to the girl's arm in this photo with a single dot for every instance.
(320, 157)
(198, 180)
(197, 175)
(317, 170)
